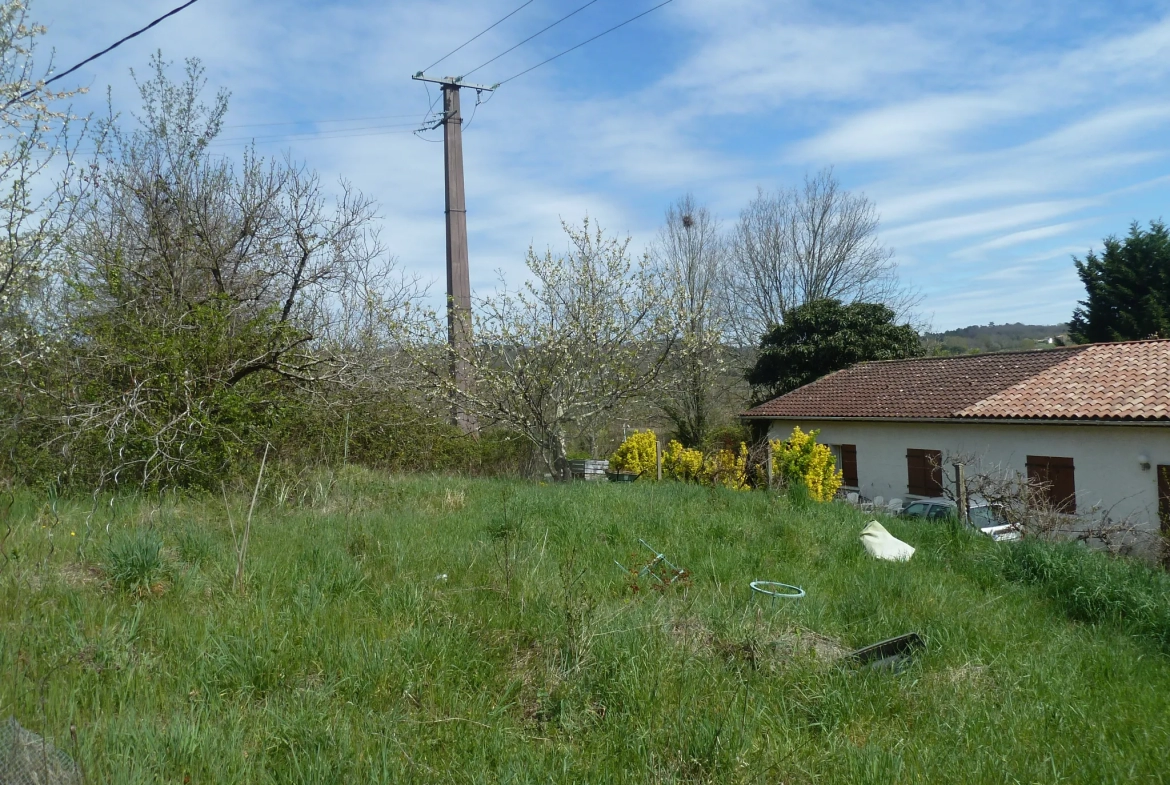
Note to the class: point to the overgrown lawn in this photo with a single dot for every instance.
(445, 630)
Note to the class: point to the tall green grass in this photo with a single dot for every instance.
(434, 629)
(1090, 586)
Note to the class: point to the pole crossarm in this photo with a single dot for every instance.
(453, 81)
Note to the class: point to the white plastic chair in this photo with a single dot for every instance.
(895, 506)
(879, 501)
(852, 497)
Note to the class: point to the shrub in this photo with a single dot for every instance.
(727, 468)
(728, 437)
(637, 454)
(799, 459)
(136, 562)
(682, 463)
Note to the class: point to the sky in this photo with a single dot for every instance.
(997, 139)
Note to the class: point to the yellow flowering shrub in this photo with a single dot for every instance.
(636, 455)
(800, 459)
(682, 463)
(727, 468)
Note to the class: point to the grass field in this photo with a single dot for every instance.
(446, 630)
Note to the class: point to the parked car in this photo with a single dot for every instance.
(987, 518)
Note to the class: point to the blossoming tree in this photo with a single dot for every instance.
(587, 332)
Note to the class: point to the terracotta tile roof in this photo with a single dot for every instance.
(1107, 381)
(1128, 381)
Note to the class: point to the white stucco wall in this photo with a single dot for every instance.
(1105, 457)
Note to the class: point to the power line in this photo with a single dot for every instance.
(339, 133)
(529, 38)
(477, 35)
(109, 48)
(475, 108)
(318, 122)
(578, 46)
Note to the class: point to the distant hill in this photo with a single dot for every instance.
(996, 338)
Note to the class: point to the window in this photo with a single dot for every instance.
(939, 511)
(983, 516)
(848, 465)
(924, 472)
(916, 510)
(1055, 475)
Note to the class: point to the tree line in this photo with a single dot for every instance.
(166, 312)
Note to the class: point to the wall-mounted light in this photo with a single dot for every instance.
(1144, 462)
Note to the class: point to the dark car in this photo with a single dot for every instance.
(985, 517)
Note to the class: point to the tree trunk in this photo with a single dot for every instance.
(560, 462)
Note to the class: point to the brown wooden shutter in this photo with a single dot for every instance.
(915, 473)
(924, 472)
(849, 465)
(1058, 476)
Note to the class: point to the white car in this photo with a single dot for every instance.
(985, 517)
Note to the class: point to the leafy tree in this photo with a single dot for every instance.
(1128, 288)
(203, 298)
(826, 335)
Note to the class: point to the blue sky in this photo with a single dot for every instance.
(997, 139)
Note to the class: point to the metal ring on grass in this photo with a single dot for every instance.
(758, 586)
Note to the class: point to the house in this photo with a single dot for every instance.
(1092, 422)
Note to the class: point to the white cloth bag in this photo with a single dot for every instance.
(883, 545)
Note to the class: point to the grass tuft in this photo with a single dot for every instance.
(135, 561)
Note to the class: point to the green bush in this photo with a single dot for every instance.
(136, 562)
(1093, 587)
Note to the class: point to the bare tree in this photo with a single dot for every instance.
(587, 333)
(802, 244)
(689, 258)
(1027, 503)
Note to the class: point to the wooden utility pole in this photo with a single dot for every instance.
(458, 269)
(961, 492)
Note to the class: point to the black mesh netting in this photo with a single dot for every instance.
(29, 759)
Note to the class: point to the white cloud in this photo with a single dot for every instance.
(985, 222)
(1018, 238)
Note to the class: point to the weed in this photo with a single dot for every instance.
(505, 532)
(454, 500)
